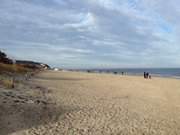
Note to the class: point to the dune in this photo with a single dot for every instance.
(56, 102)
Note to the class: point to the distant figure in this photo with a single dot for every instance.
(145, 75)
(115, 73)
(122, 73)
(89, 71)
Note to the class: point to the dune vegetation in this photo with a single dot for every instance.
(11, 72)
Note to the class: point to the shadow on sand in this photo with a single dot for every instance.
(17, 114)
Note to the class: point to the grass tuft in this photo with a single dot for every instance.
(10, 71)
(8, 83)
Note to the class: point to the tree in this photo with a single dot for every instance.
(4, 58)
(2, 55)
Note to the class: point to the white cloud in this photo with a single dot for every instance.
(86, 22)
(88, 32)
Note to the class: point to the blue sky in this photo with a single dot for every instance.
(92, 33)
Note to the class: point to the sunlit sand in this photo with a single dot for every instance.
(104, 104)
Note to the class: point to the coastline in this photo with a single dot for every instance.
(157, 72)
(130, 74)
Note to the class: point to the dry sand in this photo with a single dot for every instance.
(72, 103)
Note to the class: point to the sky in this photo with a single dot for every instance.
(92, 33)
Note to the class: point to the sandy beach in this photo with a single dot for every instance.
(75, 103)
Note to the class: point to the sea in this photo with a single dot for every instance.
(158, 72)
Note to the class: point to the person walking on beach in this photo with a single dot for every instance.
(147, 75)
(144, 75)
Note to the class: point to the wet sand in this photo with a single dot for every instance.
(92, 104)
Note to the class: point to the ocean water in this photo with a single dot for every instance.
(162, 72)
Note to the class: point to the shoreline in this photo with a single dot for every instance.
(156, 72)
(127, 74)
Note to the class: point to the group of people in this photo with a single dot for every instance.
(147, 75)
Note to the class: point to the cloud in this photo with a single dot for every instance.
(92, 33)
